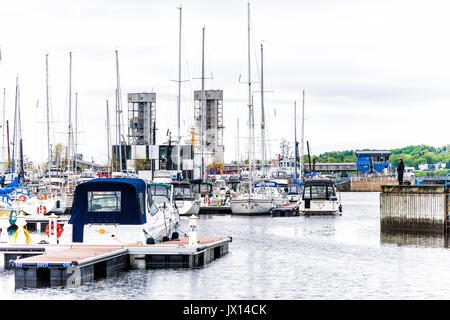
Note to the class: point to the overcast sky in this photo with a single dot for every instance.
(376, 73)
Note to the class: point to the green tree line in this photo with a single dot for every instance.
(412, 156)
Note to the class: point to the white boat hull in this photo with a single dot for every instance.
(251, 206)
(320, 208)
(187, 208)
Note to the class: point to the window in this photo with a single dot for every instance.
(331, 192)
(104, 201)
(318, 192)
(141, 202)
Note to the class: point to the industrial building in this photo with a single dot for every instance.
(209, 127)
(372, 162)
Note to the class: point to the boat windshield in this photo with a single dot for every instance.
(319, 192)
(104, 201)
(294, 190)
(181, 192)
(202, 188)
(160, 193)
(279, 175)
(221, 184)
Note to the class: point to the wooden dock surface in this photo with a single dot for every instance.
(43, 265)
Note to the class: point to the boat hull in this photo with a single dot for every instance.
(251, 206)
(188, 208)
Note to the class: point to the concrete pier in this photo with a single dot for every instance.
(414, 208)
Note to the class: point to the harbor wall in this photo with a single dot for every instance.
(370, 186)
(414, 208)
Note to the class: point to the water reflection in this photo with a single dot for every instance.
(412, 238)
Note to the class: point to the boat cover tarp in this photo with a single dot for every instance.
(6, 190)
(14, 183)
(319, 183)
(130, 211)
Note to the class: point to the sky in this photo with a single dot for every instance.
(376, 74)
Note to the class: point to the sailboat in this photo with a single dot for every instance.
(46, 200)
(251, 201)
(182, 193)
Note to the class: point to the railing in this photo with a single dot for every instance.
(373, 178)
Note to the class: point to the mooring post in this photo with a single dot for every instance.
(52, 229)
(193, 239)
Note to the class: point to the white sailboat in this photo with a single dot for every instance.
(250, 202)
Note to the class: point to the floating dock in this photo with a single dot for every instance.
(46, 265)
(415, 208)
(286, 211)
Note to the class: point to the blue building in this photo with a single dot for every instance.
(370, 162)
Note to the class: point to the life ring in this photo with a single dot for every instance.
(22, 198)
(206, 200)
(219, 203)
(41, 210)
(12, 217)
(58, 233)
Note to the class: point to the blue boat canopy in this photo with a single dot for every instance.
(266, 183)
(113, 200)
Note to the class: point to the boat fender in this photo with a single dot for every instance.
(13, 217)
(165, 238)
(175, 235)
(150, 241)
(340, 208)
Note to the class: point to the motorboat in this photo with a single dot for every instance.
(119, 211)
(280, 176)
(184, 199)
(87, 175)
(233, 184)
(319, 198)
(294, 193)
(223, 192)
(204, 192)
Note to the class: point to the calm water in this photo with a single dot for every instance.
(287, 258)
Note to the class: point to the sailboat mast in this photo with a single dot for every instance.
(237, 146)
(7, 140)
(69, 169)
(49, 151)
(302, 138)
(107, 133)
(295, 141)
(3, 124)
(250, 160)
(20, 164)
(203, 109)
(75, 150)
(263, 124)
(118, 110)
(179, 96)
(13, 165)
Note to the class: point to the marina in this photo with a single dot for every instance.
(222, 151)
(350, 252)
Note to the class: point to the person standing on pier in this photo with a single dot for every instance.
(400, 170)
